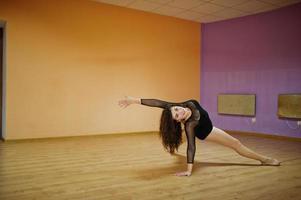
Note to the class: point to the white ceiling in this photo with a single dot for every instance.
(203, 11)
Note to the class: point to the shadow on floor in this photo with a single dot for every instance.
(154, 172)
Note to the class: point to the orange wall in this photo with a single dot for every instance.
(69, 62)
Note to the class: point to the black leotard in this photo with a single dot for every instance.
(198, 125)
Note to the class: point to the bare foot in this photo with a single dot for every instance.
(270, 161)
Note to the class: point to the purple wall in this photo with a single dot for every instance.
(258, 54)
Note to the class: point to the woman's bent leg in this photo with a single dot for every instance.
(221, 137)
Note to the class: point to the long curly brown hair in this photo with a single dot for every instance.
(170, 132)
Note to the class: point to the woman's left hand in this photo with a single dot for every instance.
(186, 173)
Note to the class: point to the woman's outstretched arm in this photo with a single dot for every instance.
(191, 148)
(147, 102)
(127, 100)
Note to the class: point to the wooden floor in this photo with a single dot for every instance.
(135, 166)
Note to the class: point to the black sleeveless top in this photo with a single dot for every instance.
(197, 125)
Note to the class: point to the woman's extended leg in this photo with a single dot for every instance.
(221, 137)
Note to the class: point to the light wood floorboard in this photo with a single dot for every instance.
(135, 166)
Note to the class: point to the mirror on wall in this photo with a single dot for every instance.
(237, 104)
(289, 106)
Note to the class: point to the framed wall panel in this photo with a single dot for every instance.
(289, 106)
(237, 104)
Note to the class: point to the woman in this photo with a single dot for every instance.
(197, 124)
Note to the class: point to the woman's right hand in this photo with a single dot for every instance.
(126, 101)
